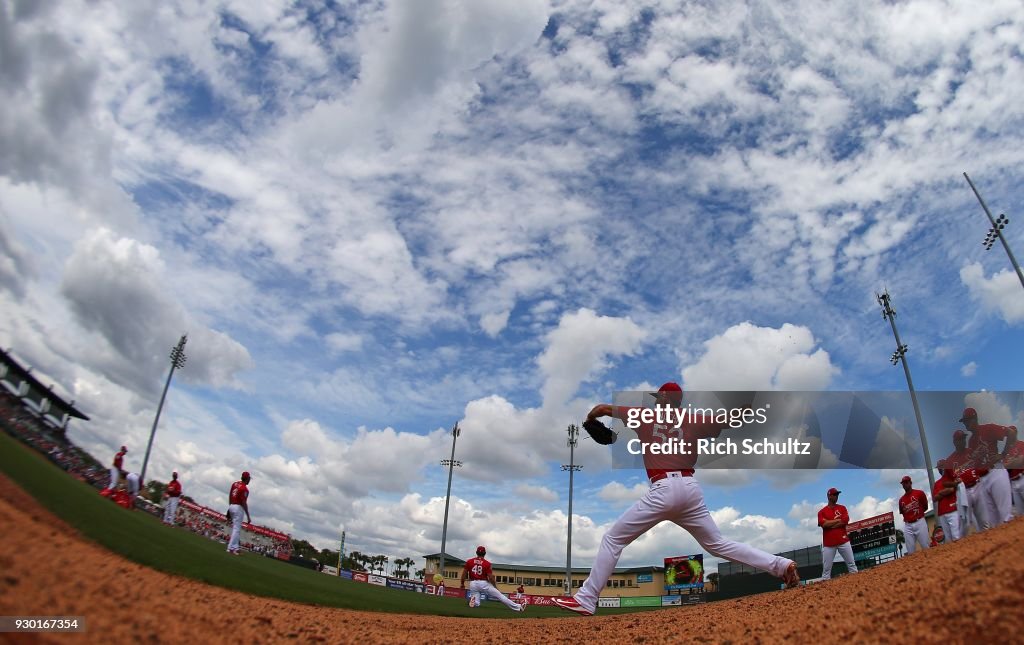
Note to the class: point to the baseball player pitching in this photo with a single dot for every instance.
(913, 505)
(238, 501)
(481, 582)
(674, 496)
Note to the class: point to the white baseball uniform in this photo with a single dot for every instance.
(828, 557)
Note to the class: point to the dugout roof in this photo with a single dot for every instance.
(12, 374)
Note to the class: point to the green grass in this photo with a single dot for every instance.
(142, 538)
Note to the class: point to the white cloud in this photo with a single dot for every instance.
(579, 348)
(1001, 293)
(617, 493)
(748, 357)
(969, 369)
(539, 493)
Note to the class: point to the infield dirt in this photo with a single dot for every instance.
(971, 590)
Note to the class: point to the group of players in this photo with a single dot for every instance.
(127, 484)
(979, 487)
(976, 476)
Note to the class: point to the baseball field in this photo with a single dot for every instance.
(70, 552)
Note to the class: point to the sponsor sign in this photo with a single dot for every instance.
(359, 577)
(376, 580)
(347, 575)
(684, 572)
(405, 585)
(329, 570)
(871, 553)
(645, 577)
(454, 593)
(670, 601)
(641, 601)
(539, 600)
(608, 602)
(877, 520)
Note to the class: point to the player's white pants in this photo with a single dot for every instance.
(978, 512)
(236, 526)
(678, 500)
(995, 496)
(916, 533)
(485, 588)
(950, 523)
(171, 510)
(1017, 487)
(115, 478)
(828, 555)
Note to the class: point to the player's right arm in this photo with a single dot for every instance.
(601, 410)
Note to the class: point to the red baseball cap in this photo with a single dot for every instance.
(123, 449)
(480, 550)
(245, 474)
(833, 491)
(668, 387)
(906, 478)
(959, 434)
(969, 413)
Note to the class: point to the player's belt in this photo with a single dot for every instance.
(671, 473)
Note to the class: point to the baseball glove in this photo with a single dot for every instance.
(599, 432)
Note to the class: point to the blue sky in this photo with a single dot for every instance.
(377, 219)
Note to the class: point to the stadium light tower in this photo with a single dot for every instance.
(996, 232)
(574, 434)
(901, 355)
(178, 359)
(451, 463)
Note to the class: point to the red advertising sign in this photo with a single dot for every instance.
(684, 572)
(359, 577)
(877, 520)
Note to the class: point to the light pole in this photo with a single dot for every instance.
(901, 355)
(178, 359)
(996, 232)
(574, 433)
(451, 463)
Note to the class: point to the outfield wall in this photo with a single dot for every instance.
(416, 586)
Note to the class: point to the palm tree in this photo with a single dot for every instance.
(403, 564)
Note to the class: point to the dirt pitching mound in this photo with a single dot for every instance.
(944, 594)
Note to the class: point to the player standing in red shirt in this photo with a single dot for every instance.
(984, 448)
(115, 469)
(173, 495)
(481, 582)
(238, 501)
(912, 506)
(833, 520)
(964, 472)
(944, 496)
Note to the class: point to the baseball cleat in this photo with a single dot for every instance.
(791, 577)
(572, 605)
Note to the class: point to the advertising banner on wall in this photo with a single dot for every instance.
(684, 572)
(608, 602)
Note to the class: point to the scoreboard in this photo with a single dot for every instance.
(873, 536)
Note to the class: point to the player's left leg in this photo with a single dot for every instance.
(492, 592)
(694, 518)
(846, 550)
(1000, 496)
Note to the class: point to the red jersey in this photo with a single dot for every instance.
(836, 535)
(945, 504)
(964, 468)
(1015, 451)
(984, 444)
(239, 493)
(174, 488)
(913, 505)
(119, 459)
(664, 433)
(478, 569)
